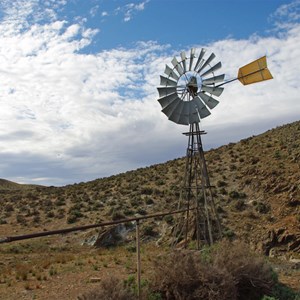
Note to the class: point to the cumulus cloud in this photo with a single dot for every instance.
(67, 116)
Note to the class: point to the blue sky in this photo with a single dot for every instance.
(78, 80)
(175, 22)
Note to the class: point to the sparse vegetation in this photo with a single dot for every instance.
(227, 271)
(256, 190)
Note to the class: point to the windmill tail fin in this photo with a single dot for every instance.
(255, 71)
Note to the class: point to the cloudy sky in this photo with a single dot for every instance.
(78, 80)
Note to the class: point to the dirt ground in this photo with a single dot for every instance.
(41, 271)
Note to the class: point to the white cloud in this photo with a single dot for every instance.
(67, 116)
(286, 15)
(130, 9)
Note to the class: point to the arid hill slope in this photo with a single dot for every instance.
(256, 185)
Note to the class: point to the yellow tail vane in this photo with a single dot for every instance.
(256, 71)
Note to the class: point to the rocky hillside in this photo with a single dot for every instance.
(256, 186)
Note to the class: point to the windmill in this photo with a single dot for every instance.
(187, 94)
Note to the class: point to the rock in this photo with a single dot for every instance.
(113, 236)
(109, 236)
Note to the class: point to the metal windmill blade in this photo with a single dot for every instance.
(186, 90)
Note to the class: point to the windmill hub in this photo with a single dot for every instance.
(192, 86)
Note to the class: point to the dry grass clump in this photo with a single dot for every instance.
(110, 288)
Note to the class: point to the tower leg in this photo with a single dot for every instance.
(201, 219)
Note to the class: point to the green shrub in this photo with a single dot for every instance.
(117, 215)
(169, 219)
(234, 195)
(262, 208)
(148, 201)
(221, 183)
(149, 230)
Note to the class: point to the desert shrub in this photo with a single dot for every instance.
(50, 214)
(9, 208)
(117, 215)
(60, 202)
(169, 219)
(262, 208)
(234, 195)
(2, 221)
(183, 275)
(72, 218)
(128, 212)
(228, 233)
(21, 219)
(149, 201)
(283, 292)
(141, 211)
(221, 183)
(239, 205)
(149, 230)
(237, 195)
(135, 201)
(109, 289)
(228, 270)
(253, 278)
(36, 219)
(223, 191)
(146, 190)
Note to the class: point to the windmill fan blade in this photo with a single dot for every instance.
(216, 91)
(208, 100)
(177, 66)
(166, 81)
(168, 110)
(202, 109)
(171, 73)
(184, 120)
(165, 101)
(198, 63)
(165, 90)
(211, 57)
(212, 69)
(183, 60)
(214, 79)
(175, 115)
(186, 108)
(192, 56)
(193, 115)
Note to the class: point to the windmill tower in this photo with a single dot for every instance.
(187, 94)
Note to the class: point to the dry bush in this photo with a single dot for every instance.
(252, 276)
(182, 275)
(228, 271)
(110, 289)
